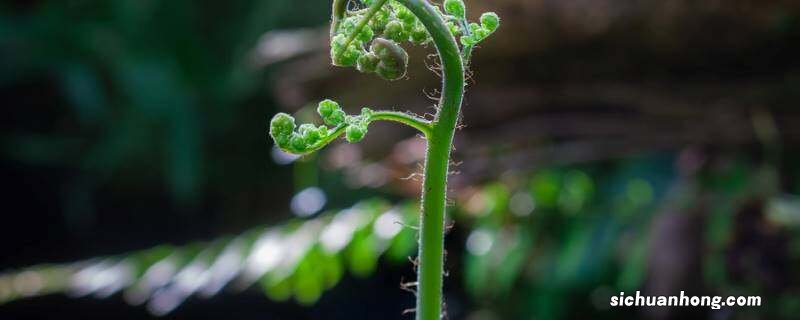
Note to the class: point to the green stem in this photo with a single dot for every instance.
(466, 51)
(434, 189)
(337, 131)
(337, 14)
(422, 125)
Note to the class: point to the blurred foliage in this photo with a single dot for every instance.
(300, 260)
(547, 239)
(561, 242)
(130, 87)
(551, 244)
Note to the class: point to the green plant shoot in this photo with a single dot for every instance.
(370, 40)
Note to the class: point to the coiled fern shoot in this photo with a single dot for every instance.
(370, 40)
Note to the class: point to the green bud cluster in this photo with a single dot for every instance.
(380, 20)
(407, 27)
(330, 112)
(357, 125)
(386, 58)
(455, 8)
(392, 59)
(354, 44)
(478, 32)
(282, 130)
(393, 23)
(471, 33)
(308, 137)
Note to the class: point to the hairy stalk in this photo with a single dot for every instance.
(434, 189)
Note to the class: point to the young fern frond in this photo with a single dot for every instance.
(308, 138)
(354, 44)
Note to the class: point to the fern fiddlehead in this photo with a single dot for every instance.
(354, 44)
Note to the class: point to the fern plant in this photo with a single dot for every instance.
(369, 39)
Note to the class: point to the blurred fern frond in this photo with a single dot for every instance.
(298, 259)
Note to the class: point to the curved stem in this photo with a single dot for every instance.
(337, 131)
(337, 14)
(422, 125)
(434, 189)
